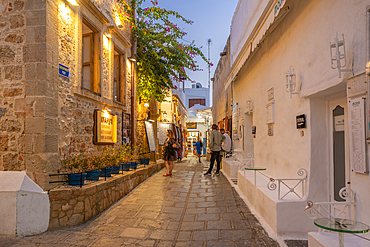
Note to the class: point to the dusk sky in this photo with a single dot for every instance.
(212, 19)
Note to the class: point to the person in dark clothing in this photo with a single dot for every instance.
(169, 154)
(215, 147)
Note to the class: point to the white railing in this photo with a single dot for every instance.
(288, 186)
(249, 162)
(333, 210)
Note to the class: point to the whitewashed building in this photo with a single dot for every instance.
(197, 100)
(299, 86)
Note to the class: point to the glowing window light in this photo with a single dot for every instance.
(73, 2)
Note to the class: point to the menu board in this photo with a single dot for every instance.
(105, 127)
(150, 135)
(235, 122)
(357, 135)
(161, 133)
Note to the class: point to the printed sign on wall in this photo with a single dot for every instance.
(356, 108)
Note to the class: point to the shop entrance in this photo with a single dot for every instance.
(248, 140)
(338, 147)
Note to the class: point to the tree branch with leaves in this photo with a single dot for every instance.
(161, 56)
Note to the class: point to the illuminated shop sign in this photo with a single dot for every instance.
(105, 127)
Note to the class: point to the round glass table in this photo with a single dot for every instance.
(341, 226)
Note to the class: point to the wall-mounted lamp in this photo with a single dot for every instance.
(146, 104)
(73, 2)
(108, 36)
(249, 107)
(290, 83)
(132, 59)
(164, 114)
(338, 54)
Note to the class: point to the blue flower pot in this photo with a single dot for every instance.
(93, 175)
(126, 166)
(75, 179)
(133, 165)
(107, 171)
(116, 169)
(147, 160)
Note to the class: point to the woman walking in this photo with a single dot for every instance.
(169, 152)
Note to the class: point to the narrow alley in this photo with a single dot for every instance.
(187, 209)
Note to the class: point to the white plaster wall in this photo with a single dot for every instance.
(33, 211)
(245, 18)
(8, 214)
(24, 206)
(197, 93)
(302, 40)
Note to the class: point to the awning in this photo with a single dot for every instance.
(274, 14)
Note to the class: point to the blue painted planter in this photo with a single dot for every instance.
(133, 165)
(93, 175)
(116, 169)
(106, 170)
(147, 160)
(75, 179)
(126, 166)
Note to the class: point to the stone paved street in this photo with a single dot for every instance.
(187, 209)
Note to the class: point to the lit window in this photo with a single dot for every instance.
(90, 58)
(119, 76)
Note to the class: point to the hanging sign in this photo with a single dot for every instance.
(105, 127)
(357, 147)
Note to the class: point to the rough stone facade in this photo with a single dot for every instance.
(41, 112)
(74, 206)
(222, 97)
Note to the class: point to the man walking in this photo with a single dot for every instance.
(215, 147)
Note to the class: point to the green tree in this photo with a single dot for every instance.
(161, 56)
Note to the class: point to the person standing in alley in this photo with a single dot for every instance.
(226, 144)
(169, 154)
(215, 148)
(199, 146)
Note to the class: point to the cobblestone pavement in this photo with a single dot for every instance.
(187, 209)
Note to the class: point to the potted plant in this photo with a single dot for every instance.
(96, 163)
(76, 164)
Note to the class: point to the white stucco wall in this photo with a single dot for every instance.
(24, 206)
(245, 18)
(302, 40)
(197, 93)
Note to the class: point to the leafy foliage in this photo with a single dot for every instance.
(161, 57)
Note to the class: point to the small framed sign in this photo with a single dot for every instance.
(191, 125)
(105, 127)
(63, 70)
(301, 121)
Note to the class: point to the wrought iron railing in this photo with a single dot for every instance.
(290, 185)
(333, 210)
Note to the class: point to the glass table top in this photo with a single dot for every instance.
(255, 169)
(341, 225)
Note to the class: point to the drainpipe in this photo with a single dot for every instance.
(133, 102)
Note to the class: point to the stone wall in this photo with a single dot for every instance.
(12, 84)
(41, 112)
(74, 205)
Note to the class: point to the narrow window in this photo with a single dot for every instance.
(119, 76)
(90, 58)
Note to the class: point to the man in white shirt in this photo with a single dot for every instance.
(226, 145)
